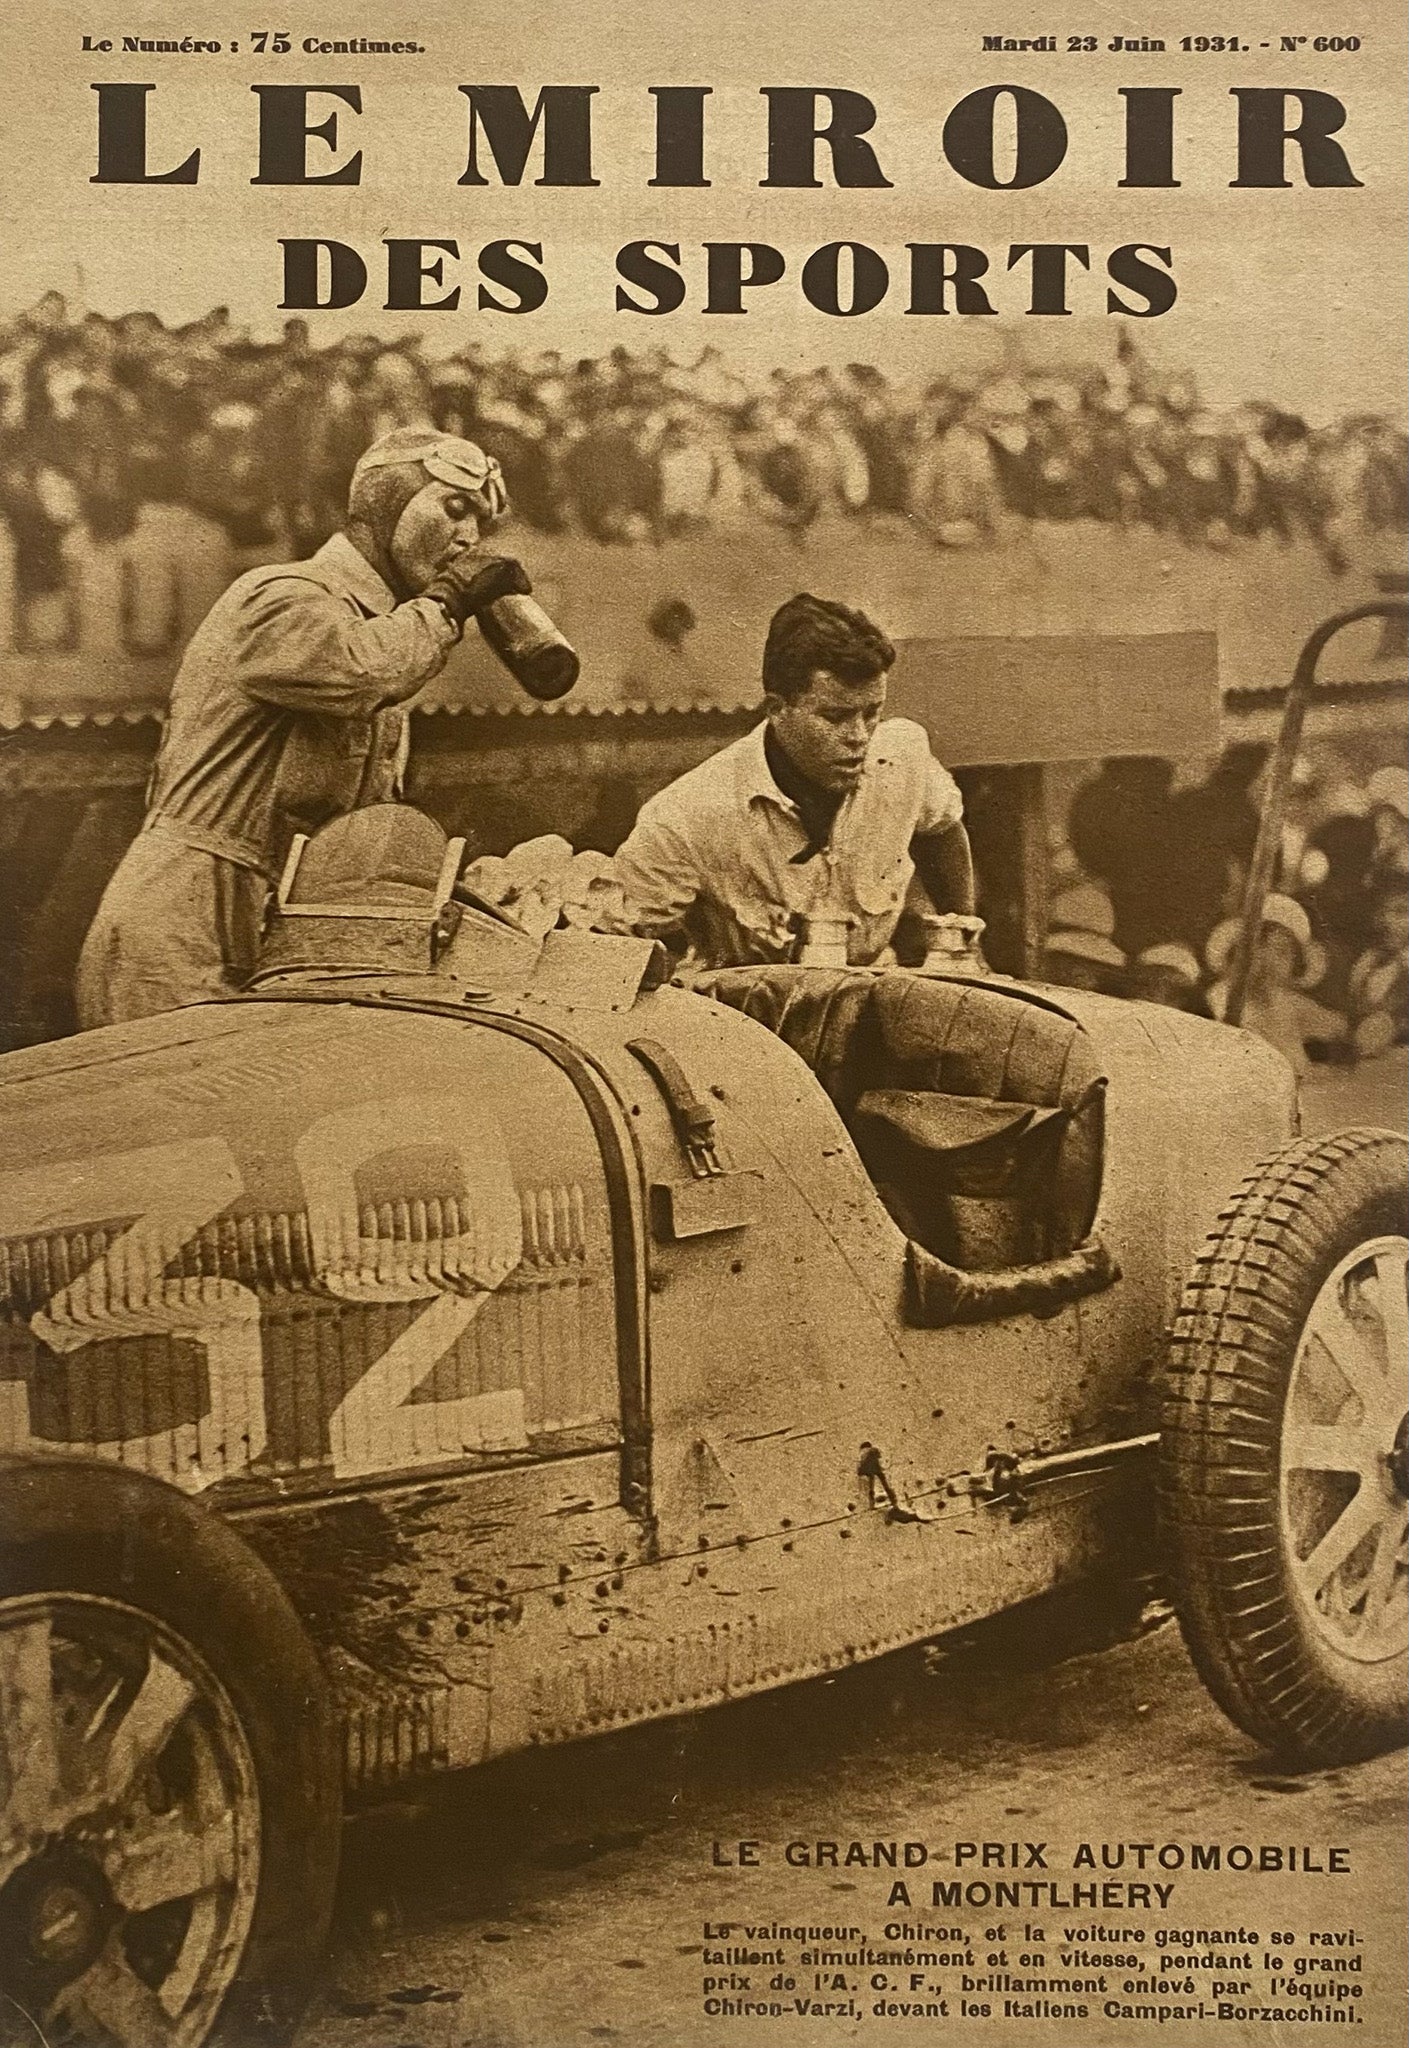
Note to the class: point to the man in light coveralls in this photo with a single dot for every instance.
(288, 710)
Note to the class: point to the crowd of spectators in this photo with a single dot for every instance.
(1149, 883)
(108, 424)
(199, 451)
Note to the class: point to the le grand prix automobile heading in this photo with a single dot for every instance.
(543, 1503)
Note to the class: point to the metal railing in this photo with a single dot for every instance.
(1279, 781)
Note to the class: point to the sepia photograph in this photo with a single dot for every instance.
(704, 1027)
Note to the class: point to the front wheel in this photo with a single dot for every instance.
(170, 1779)
(1282, 1471)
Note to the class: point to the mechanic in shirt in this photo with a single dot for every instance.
(287, 711)
(825, 811)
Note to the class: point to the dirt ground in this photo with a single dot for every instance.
(562, 1899)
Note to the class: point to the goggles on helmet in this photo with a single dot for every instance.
(450, 460)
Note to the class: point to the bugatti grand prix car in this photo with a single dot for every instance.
(465, 1340)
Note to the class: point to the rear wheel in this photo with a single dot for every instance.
(1283, 1452)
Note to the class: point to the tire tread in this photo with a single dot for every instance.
(1230, 1351)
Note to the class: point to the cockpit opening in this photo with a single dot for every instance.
(978, 1111)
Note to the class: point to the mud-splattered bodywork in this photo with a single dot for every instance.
(544, 1428)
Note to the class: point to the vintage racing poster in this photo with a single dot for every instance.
(704, 986)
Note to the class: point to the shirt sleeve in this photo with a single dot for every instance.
(658, 873)
(941, 803)
(299, 646)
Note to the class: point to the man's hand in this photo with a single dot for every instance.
(945, 866)
(470, 581)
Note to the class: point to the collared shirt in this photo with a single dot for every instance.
(285, 711)
(715, 853)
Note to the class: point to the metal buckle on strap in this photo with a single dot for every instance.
(693, 1118)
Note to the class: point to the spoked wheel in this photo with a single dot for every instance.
(1343, 1457)
(129, 1864)
(169, 1771)
(1283, 1452)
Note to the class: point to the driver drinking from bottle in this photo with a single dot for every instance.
(288, 710)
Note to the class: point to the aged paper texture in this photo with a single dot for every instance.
(648, 1446)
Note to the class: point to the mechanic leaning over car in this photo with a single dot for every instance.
(820, 817)
(286, 712)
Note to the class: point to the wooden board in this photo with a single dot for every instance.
(1009, 698)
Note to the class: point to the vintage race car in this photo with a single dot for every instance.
(468, 1340)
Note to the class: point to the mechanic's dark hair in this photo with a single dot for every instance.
(809, 633)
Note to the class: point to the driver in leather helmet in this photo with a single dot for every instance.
(288, 710)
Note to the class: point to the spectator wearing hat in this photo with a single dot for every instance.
(1082, 959)
(1168, 973)
(287, 712)
(1084, 907)
(1081, 951)
(1379, 979)
(1287, 964)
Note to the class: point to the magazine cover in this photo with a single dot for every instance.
(704, 985)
